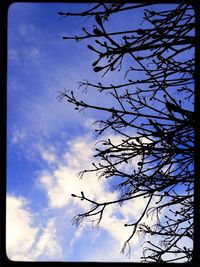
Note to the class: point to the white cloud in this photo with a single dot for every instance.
(80, 152)
(47, 153)
(26, 240)
(20, 232)
(63, 181)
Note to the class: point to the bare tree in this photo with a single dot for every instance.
(159, 108)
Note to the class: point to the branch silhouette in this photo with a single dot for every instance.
(158, 106)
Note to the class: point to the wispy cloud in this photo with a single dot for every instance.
(47, 246)
(13, 55)
(18, 136)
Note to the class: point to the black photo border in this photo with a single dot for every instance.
(4, 260)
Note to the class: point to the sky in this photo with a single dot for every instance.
(49, 142)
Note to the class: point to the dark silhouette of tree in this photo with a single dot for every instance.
(159, 108)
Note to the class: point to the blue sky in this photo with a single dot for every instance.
(49, 143)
